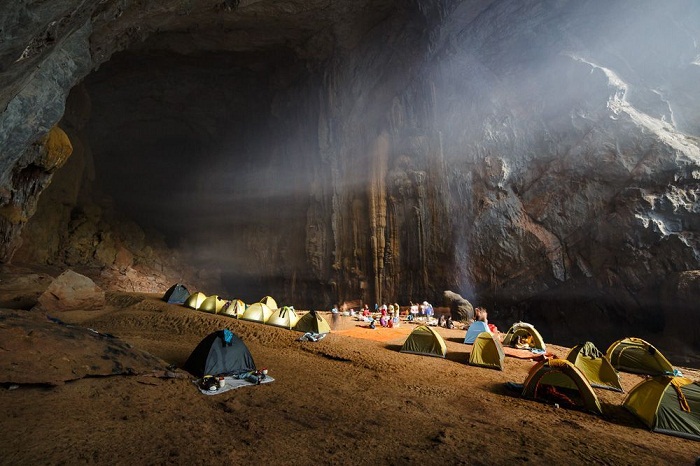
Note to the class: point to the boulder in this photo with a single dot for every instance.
(69, 291)
(460, 309)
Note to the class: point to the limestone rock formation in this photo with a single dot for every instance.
(71, 291)
(543, 158)
(460, 309)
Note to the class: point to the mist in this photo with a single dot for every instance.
(523, 123)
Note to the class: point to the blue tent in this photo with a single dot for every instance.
(474, 330)
(176, 294)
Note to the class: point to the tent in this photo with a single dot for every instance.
(257, 312)
(195, 300)
(487, 352)
(523, 331)
(284, 317)
(269, 302)
(667, 404)
(212, 304)
(475, 328)
(636, 356)
(176, 294)
(235, 309)
(312, 322)
(595, 366)
(548, 376)
(426, 341)
(220, 353)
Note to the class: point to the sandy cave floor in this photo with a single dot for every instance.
(351, 398)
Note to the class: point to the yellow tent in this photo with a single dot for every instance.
(487, 352)
(235, 309)
(285, 317)
(212, 304)
(257, 312)
(560, 373)
(636, 356)
(595, 366)
(667, 404)
(269, 302)
(426, 341)
(195, 300)
(524, 332)
(312, 322)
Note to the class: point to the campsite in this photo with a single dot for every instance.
(350, 398)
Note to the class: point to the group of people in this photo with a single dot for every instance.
(390, 315)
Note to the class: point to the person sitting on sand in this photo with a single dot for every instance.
(383, 320)
(441, 320)
(481, 315)
(449, 323)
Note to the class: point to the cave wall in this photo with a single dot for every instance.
(553, 177)
(541, 159)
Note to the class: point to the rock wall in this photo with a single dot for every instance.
(540, 159)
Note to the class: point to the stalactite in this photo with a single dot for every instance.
(377, 209)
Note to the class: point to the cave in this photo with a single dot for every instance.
(540, 160)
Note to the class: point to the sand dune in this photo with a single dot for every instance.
(350, 398)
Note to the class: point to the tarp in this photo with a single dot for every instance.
(637, 356)
(667, 404)
(474, 330)
(595, 366)
(426, 341)
(487, 352)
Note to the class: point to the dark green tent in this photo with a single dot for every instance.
(220, 353)
(667, 404)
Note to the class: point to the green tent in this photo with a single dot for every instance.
(524, 332)
(426, 341)
(560, 374)
(312, 322)
(595, 366)
(636, 356)
(487, 352)
(667, 404)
